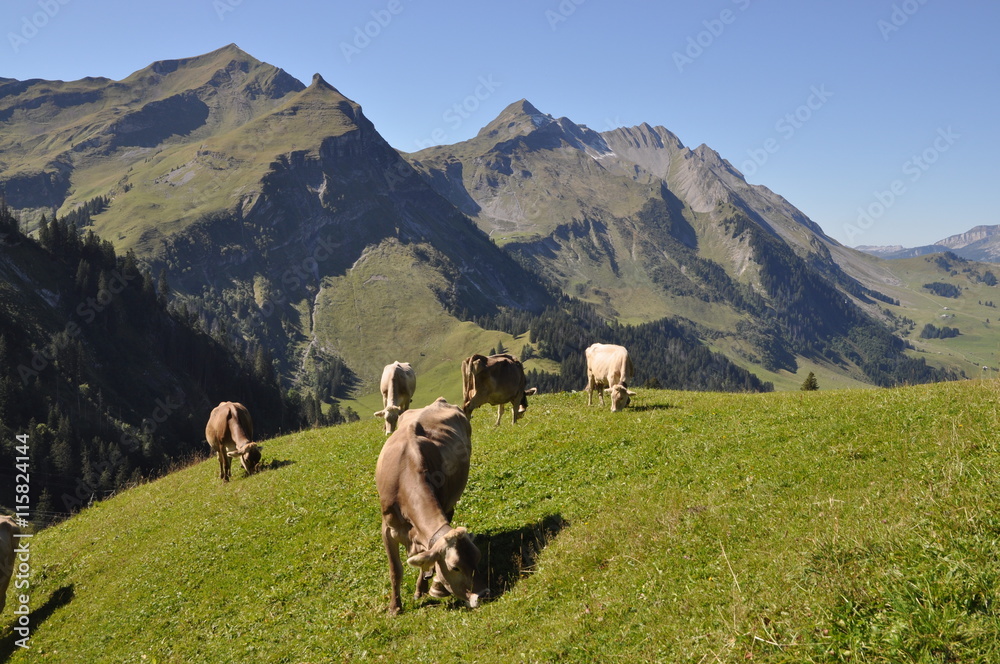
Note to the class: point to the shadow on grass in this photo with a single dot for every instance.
(274, 464)
(8, 642)
(510, 555)
(654, 406)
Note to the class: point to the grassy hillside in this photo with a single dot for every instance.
(974, 312)
(854, 525)
(386, 308)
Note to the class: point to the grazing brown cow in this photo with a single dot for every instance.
(609, 367)
(8, 529)
(230, 433)
(420, 475)
(398, 385)
(496, 380)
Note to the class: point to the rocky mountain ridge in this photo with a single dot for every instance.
(981, 243)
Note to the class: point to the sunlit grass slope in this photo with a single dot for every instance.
(856, 525)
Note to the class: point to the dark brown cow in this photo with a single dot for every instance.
(496, 380)
(421, 473)
(8, 529)
(230, 434)
(398, 384)
(609, 367)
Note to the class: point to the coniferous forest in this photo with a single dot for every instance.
(117, 384)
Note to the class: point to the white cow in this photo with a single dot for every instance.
(398, 384)
(609, 367)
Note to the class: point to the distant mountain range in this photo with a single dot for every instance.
(981, 243)
(283, 221)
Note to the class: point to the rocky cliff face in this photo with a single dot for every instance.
(580, 205)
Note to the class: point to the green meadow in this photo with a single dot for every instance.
(829, 526)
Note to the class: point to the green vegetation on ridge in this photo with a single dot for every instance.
(828, 526)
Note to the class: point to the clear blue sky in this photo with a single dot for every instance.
(885, 106)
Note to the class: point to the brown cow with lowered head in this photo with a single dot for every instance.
(8, 529)
(496, 380)
(230, 434)
(420, 475)
(398, 384)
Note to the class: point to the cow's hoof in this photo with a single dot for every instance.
(395, 609)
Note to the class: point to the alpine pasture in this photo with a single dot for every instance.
(844, 525)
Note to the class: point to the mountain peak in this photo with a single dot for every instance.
(319, 82)
(324, 93)
(523, 106)
(517, 119)
(223, 66)
(219, 57)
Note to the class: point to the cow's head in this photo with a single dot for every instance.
(455, 558)
(523, 406)
(620, 396)
(391, 417)
(249, 456)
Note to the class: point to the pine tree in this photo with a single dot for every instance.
(810, 383)
(44, 233)
(162, 287)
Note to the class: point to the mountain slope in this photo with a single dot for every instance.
(705, 526)
(66, 142)
(644, 227)
(250, 191)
